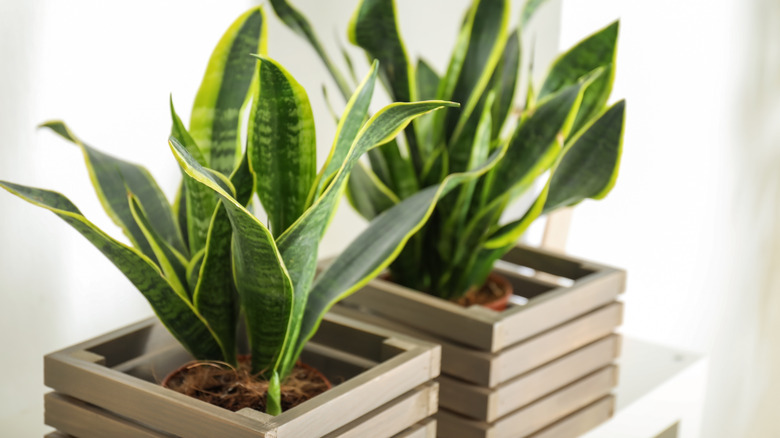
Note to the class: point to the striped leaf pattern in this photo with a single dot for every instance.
(223, 91)
(455, 251)
(282, 145)
(112, 178)
(198, 203)
(264, 288)
(596, 51)
(375, 248)
(174, 311)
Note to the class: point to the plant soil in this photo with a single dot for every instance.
(234, 389)
(492, 292)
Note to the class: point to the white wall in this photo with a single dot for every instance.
(693, 217)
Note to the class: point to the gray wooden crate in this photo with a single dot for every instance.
(549, 303)
(490, 370)
(581, 421)
(537, 416)
(423, 429)
(495, 364)
(383, 382)
(488, 404)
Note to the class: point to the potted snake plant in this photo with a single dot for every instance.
(211, 270)
(559, 146)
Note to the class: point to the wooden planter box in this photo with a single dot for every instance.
(108, 387)
(501, 369)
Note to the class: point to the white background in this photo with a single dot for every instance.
(691, 219)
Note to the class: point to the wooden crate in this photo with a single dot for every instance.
(488, 404)
(537, 416)
(107, 387)
(495, 364)
(549, 304)
(581, 421)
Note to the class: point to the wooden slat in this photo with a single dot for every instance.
(406, 413)
(557, 306)
(81, 376)
(426, 312)
(581, 421)
(476, 327)
(486, 404)
(552, 262)
(357, 396)
(395, 417)
(555, 343)
(534, 417)
(424, 429)
(492, 369)
(80, 419)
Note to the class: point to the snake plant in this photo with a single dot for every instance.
(563, 131)
(206, 261)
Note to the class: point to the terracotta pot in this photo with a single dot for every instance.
(500, 303)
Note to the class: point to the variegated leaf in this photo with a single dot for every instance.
(264, 288)
(224, 89)
(112, 178)
(595, 52)
(282, 145)
(175, 312)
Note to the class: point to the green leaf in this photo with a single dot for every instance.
(456, 212)
(273, 403)
(112, 178)
(215, 294)
(173, 264)
(180, 212)
(535, 143)
(401, 170)
(300, 25)
(264, 288)
(509, 233)
(436, 168)
(586, 169)
(374, 28)
(427, 81)
(427, 88)
(505, 81)
(282, 145)
(193, 269)
(590, 164)
(487, 37)
(176, 313)
(375, 248)
(348, 127)
(299, 244)
(594, 52)
(199, 202)
(366, 193)
(243, 180)
(223, 91)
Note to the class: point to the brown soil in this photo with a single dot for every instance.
(235, 389)
(493, 290)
